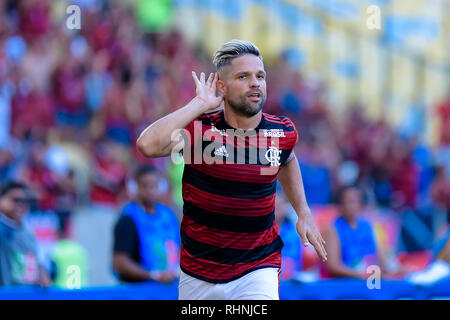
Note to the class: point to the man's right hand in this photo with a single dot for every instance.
(157, 139)
(206, 90)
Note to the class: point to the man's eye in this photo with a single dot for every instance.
(241, 77)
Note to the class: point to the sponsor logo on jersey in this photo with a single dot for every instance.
(274, 133)
(221, 152)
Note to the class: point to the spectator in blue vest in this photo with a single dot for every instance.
(350, 240)
(146, 236)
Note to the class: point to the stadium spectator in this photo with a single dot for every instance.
(109, 175)
(439, 269)
(440, 190)
(6, 163)
(443, 110)
(404, 174)
(350, 240)
(19, 263)
(146, 236)
(443, 248)
(39, 176)
(51, 178)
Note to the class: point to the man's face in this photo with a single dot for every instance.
(351, 203)
(243, 84)
(14, 204)
(148, 188)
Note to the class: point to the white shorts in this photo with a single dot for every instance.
(261, 284)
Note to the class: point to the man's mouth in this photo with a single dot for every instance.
(255, 96)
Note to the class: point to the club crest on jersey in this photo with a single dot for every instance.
(273, 156)
(274, 133)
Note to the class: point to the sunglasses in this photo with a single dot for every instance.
(22, 201)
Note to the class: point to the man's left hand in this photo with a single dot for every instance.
(309, 233)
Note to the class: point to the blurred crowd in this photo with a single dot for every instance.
(72, 103)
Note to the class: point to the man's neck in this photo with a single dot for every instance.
(238, 121)
(351, 221)
(148, 207)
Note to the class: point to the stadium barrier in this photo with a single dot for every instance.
(289, 290)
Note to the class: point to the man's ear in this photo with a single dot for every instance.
(221, 88)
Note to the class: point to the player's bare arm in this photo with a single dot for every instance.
(156, 140)
(290, 179)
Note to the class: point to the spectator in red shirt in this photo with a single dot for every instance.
(108, 176)
(69, 92)
(404, 175)
(443, 111)
(34, 18)
(40, 177)
(440, 190)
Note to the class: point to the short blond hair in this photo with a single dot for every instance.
(233, 49)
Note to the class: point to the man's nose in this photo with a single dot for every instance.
(254, 83)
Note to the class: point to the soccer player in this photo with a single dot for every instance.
(231, 248)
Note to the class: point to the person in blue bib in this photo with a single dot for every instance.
(146, 236)
(350, 240)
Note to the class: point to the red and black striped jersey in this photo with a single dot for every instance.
(229, 184)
